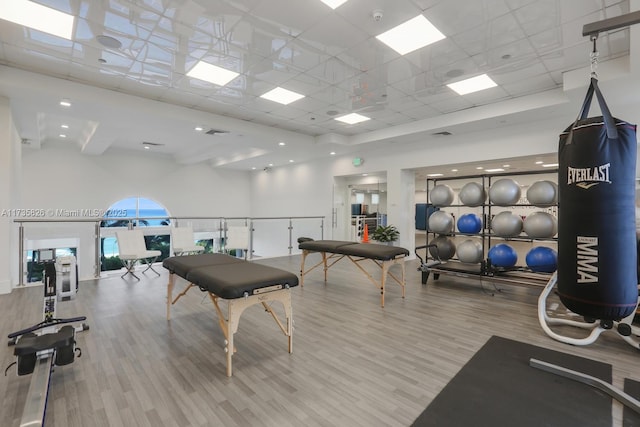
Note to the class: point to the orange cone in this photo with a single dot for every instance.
(365, 234)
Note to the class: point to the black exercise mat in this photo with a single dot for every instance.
(497, 387)
(631, 417)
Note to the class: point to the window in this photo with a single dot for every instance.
(142, 213)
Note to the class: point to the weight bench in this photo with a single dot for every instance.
(238, 282)
(382, 255)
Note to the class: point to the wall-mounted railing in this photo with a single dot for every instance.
(268, 236)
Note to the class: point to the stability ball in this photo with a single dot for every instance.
(506, 224)
(441, 222)
(445, 248)
(472, 194)
(542, 260)
(503, 255)
(504, 192)
(540, 225)
(470, 251)
(469, 223)
(441, 195)
(543, 193)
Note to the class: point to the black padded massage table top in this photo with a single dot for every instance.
(364, 250)
(226, 276)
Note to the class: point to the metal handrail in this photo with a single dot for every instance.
(222, 227)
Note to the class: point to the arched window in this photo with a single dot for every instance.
(141, 212)
(149, 212)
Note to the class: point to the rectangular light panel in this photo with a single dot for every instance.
(474, 84)
(415, 33)
(333, 4)
(282, 96)
(38, 17)
(212, 73)
(352, 118)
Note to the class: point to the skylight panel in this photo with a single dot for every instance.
(474, 84)
(414, 34)
(212, 73)
(38, 17)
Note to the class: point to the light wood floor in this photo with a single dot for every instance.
(354, 363)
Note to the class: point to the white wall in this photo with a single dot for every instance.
(305, 189)
(60, 177)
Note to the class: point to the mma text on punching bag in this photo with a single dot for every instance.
(597, 264)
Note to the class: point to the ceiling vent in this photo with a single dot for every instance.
(152, 144)
(216, 132)
(443, 133)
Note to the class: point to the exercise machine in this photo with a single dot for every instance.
(41, 347)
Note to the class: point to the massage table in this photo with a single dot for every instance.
(238, 282)
(383, 256)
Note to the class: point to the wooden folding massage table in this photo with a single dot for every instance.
(241, 283)
(382, 255)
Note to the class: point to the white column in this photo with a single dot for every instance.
(10, 161)
(401, 189)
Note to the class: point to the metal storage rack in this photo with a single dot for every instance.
(519, 274)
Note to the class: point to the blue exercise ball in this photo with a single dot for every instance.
(469, 223)
(503, 255)
(542, 260)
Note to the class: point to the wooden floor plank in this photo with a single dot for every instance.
(354, 363)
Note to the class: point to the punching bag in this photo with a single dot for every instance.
(597, 260)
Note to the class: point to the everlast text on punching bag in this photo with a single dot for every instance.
(597, 260)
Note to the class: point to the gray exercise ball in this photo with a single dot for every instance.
(540, 225)
(543, 193)
(504, 192)
(506, 224)
(445, 248)
(472, 194)
(470, 251)
(441, 222)
(441, 195)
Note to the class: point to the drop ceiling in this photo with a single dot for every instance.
(332, 57)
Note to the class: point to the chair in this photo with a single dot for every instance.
(183, 241)
(237, 238)
(132, 248)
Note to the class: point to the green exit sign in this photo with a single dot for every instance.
(357, 161)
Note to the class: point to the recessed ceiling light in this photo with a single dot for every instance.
(146, 147)
(506, 166)
(365, 174)
(539, 162)
(333, 4)
(282, 96)
(65, 103)
(411, 35)
(474, 84)
(494, 170)
(270, 164)
(212, 73)
(253, 168)
(479, 168)
(290, 161)
(433, 175)
(38, 17)
(64, 126)
(62, 135)
(550, 165)
(333, 153)
(198, 128)
(352, 118)
(454, 170)
(282, 144)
